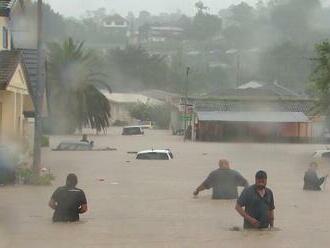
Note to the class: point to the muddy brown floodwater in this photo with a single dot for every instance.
(150, 204)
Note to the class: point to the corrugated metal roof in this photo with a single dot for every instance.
(277, 117)
(251, 106)
(128, 98)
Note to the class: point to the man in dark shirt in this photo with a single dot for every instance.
(311, 180)
(68, 201)
(224, 182)
(258, 204)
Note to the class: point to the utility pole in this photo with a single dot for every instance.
(39, 92)
(186, 102)
(238, 69)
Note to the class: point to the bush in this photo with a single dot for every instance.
(45, 141)
(160, 114)
(25, 176)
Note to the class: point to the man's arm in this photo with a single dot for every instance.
(207, 184)
(241, 181)
(52, 204)
(83, 203)
(247, 217)
(271, 218)
(199, 189)
(83, 208)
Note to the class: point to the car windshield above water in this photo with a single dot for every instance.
(133, 130)
(73, 146)
(155, 155)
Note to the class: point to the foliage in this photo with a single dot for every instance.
(26, 176)
(278, 35)
(321, 76)
(73, 98)
(160, 114)
(45, 141)
(134, 66)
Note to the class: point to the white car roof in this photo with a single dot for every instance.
(322, 151)
(158, 151)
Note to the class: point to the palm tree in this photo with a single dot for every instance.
(73, 84)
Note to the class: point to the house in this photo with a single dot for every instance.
(253, 111)
(14, 95)
(160, 33)
(116, 22)
(18, 80)
(120, 104)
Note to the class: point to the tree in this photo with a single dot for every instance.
(160, 114)
(136, 69)
(204, 25)
(321, 77)
(73, 96)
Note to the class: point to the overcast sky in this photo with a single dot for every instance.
(77, 8)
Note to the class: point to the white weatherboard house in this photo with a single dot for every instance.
(121, 102)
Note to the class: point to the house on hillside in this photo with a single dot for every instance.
(254, 111)
(120, 104)
(160, 33)
(118, 29)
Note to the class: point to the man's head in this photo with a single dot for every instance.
(224, 164)
(261, 179)
(313, 165)
(71, 180)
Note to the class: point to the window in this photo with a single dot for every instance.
(4, 37)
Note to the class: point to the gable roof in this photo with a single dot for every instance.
(128, 98)
(9, 61)
(7, 5)
(30, 60)
(115, 18)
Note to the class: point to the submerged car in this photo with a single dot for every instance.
(133, 130)
(74, 146)
(155, 155)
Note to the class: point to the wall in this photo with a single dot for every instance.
(4, 23)
(119, 112)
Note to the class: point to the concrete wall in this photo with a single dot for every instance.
(120, 112)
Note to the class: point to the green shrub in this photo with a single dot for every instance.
(25, 176)
(45, 141)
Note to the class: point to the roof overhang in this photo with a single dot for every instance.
(266, 117)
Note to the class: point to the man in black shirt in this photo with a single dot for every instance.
(68, 201)
(311, 180)
(258, 204)
(224, 182)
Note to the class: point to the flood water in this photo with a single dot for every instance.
(150, 204)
